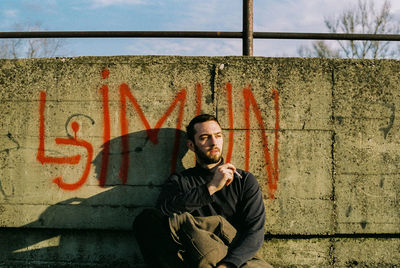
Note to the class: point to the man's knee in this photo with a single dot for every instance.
(148, 219)
(199, 237)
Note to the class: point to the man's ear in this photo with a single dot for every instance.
(190, 145)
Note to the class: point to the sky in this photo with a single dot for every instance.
(174, 15)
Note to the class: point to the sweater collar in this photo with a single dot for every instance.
(207, 171)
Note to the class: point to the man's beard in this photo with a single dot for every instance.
(203, 158)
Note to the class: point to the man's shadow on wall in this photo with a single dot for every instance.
(113, 209)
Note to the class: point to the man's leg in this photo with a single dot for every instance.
(154, 239)
(257, 262)
(205, 239)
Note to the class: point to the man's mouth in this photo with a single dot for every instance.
(214, 151)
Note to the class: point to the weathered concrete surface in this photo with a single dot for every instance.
(367, 146)
(337, 252)
(68, 248)
(320, 135)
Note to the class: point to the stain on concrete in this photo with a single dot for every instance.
(363, 224)
(213, 74)
(348, 211)
(381, 182)
(8, 143)
(386, 130)
(2, 192)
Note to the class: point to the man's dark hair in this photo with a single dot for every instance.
(198, 119)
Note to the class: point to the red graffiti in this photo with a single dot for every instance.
(151, 132)
(230, 115)
(271, 168)
(105, 156)
(199, 93)
(72, 160)
(271, 163)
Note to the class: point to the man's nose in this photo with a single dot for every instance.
(213, 140)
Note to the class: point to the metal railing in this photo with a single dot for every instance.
(247, 35)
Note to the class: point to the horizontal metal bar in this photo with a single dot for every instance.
(121, 34)
(326, 36)
(187, 34)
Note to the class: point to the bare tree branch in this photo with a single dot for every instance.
(363, 18)
(30, 48)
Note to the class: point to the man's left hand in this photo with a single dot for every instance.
(223, 176)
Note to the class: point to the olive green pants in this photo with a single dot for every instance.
(185, 241)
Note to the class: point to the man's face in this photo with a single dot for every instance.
(208, 142)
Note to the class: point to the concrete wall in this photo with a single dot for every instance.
(85, 144)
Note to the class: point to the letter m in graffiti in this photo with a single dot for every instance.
(152, 133)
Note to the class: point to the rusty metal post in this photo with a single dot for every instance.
(247, 28)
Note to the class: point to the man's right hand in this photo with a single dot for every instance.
(223, 176)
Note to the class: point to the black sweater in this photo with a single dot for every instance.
(241, 203)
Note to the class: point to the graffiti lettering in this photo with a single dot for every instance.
(151, 132)
(199, 93)
(105, 157)
(271, 167)
(230, 115)
(72, 160)
(125, 95)
(71, 117)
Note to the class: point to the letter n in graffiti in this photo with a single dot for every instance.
(270, 165)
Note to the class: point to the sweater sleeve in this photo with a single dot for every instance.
(250, 236)
(175, 197)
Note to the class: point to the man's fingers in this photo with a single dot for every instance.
(228, 181)
(228, 174)
(230, 166)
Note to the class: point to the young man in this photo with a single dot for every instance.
(213, 213)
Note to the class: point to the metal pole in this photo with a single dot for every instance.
(247, 28)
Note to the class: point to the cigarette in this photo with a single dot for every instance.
(237, 174)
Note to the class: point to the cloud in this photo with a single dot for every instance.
(294, 16)
(186, 47)
(39, 7)
(217, 15)
(105, 3)
(11, 13)
(301, 15)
